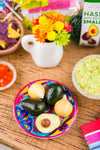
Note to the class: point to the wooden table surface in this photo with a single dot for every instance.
(27, 71)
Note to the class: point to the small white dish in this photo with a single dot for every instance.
(80, 90)
(14, 75)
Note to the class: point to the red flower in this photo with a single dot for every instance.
(68, 27)
(36, 22)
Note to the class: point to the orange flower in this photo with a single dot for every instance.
(40, 36)
(55, 15)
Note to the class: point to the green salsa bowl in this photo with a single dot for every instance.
(86, 76)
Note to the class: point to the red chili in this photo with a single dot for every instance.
(6, 75)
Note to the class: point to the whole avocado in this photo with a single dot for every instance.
(54, 92)
(34, 106)
(75, 22)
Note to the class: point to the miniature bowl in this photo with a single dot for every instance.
(14, 75)
(80, 90)
(13, 48)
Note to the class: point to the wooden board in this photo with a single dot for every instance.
(27, 71)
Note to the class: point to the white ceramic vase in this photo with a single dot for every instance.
(44, 55)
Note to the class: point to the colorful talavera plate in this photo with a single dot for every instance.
(27, 121)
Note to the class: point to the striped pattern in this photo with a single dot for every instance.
(91, 132)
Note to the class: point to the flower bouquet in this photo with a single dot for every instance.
(50, 33)
(52, 27)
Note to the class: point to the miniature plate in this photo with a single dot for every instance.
(27, 121)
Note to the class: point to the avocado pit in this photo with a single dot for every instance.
(45, 123)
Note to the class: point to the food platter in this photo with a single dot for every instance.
(27, 121)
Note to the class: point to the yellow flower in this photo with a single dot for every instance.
(58, 26)
(51, 36)
(46, 25)
(35, 28)
(42, 20)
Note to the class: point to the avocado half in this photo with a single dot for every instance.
(54, 122)
(93, 30)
